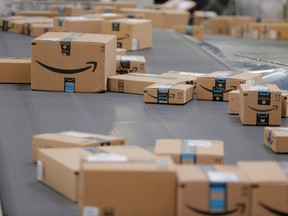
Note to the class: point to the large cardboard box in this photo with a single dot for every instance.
(130, 64)
(132, 34)
(15, 70)
(189, 151)
(78, 24)
(201, 16)
(72, 62)
(135, 83)
(216, 87)
(134, 187)
(195, 31)
(37, 29)
(59, 168)
(269, 183)
(276, 138)
(233, 106)
(168, 93)
(213, 190)
(71, 139)
(18, 25)
(260, 104)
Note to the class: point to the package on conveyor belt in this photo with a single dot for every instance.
(130, 64)
(120, 51)
(71, 139)
(212, 190)
(191, 151)
(59, 168)
(132, 34)
(276, 138)
(269, 183)
(257, 31)
(233, 105)
(50, 14)
(118, 185)
(195, 31)
(169, 93)
(72, 62)
(135, 83)
(216, 87)
(5, 22)
(260, 104)
(15, 70)
(67, 10)
(219, 25)
(239, 26)
(37, 29)
(199, 17)
(78, 24)
(277, 31)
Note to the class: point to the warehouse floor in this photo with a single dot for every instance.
(24, 113)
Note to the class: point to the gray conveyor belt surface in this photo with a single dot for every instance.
(24, 113)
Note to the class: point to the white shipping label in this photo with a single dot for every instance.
(90, 211)
(51, 39)
(273, 34)
(39, 170)
(259, 88)
(106, 157)
(250, 82)
(134, 44)
(255, 34)
(77, 134)
(200, 143)
(215, 176)
(128, 58)
(192, 74)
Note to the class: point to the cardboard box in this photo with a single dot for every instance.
(132, 34)
(18, 26)
(37, 29)
(220, 25)
(284, 104)
(130, 64)
(216, 87)
(201, 16)
(71, 139)
(120, 51)
(276, 138)
(178, 5)
(5, 22)
(213, 190)
(133, 13)
(67, 10)
(269, 183)
(191, 76)
(277, 31)
(189, 151)
(168, 93)
(257, 31)
(106, 9)
(15, 70)
(118, 5)
(78, 24)
(72, 62)
(135, 187)
(135, 83)
(59, 168)
(195, 31)
(233, 106)
(50, 14)
(260, 104)
(106, 16)
(239, 25)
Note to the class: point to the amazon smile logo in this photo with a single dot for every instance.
(126, 36)
(267, 110)
(131, 70)
(222, 91)
(239, 208)
(272, 210)
(92, 64)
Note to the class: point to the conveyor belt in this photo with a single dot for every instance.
(24, 113)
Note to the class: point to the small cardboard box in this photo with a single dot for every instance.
(135, 187)
(135, 83)
(216, 87)
(37, 29)
(72, 62)
(260, 104)
(130, 64)
(78, 24)
(269, 183)
(190, 151)
(15, 70)
(276, 138)
(284, 104)
(277, 31)
(132, 34)
(201, 16)
(212, 190)
(233, 106)
(168, 93)
(195, 31)
(71, 139)
(220, 25)
(59, 168)
(5, 22)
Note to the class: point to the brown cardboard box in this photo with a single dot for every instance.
(135, 13)
(269, 183)
(50, 14)
(135, 187)
(67, 10)
(120, 51)
(213, 190)
(195, 31)
(37, 29)
(78, 24)
(220, 25)
(216, 87)
(5, 22)
(233, 106)
(277, 31)
(270, 20)
(59, 168)
(132, 34)
(71, 139)
(170, 93)
(130, 64)
(257, 30)
(135, 83)
(18, 26)
(191, 76)
(106, 16)
(15, 70)
(72, 62)
(284, 104)
(239, 25)
(118, 5)
(201, 16)
(260, 104)
(106, 9)
(190, 151)
(276, 138)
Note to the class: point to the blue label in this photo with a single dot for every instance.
(217, 200)
(61, 10)
(187, 158)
